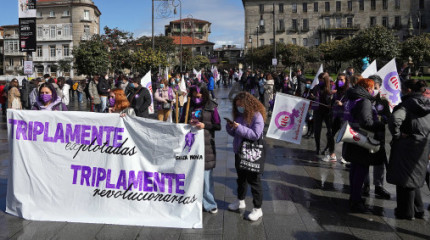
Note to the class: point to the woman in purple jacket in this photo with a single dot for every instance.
(249, 116)
(48, 100)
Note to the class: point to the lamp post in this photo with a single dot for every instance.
(189, 16)
(258, 27)
(180, 26)
(252, 53)
(274, 35)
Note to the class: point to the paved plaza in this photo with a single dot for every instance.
(304, 198)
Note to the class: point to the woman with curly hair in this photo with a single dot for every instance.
(118, 102)
(249, 116)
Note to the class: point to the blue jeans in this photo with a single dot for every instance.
(80, 97)
(104, 103)
(208, 191)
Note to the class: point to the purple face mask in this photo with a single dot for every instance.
(45, 98)
(340, 83)
(112, 102)
(197, 100)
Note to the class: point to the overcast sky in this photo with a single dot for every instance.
(226, 16)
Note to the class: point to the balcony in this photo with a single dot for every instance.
(280, 30)
(89, 20)
(10, 68)
(49, 58)
(293, 29)
(16, 52)
(86, 37)
(19, 68)
(14, 36)
(340, 28)
(56, 38)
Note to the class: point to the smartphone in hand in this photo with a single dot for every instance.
(229, 121)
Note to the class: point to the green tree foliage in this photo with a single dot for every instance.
(376, 43)
(146, 59)
(417, 48)
(199, 62)
(65, 65)
(334, 53)
(119, 44)
(91, 57)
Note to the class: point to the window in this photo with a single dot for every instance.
(294, 7)
(39, 32)
(52, 32)
(385, 22)
(66, 30)
(66, 13)
(271, 41)
(66, 50)
(349, 5)
(397, 21)
(51, 14)
(39, 51)
(39, 14)
(349, 22)
(261, 42)
(86, 15)
(11, 62)
(372, 21)
(384, 4)
(281, 25)
(86, 29)
(294, 24)
(327, 6)
(338, 22)
(397, 4)
(317, 41)
(305, 7)
(281, 40)
(261, 8)
(327, 22)
(421, 4)
(52, 50)
(361, 5)
(305, 24)
(305, 42)
(338, 6)
(281, 8)
(373, 4)
(294, 41)
(315, 6)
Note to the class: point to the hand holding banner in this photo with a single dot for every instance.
(391, 85)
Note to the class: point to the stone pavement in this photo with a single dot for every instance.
(304, 198)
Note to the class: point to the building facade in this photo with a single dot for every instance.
(197, 46)
(310, 23)
(229, 54)
(61, 26)
(1, 50)
(191, 27)
(13, 59)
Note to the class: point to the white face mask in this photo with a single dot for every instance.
(375, 93)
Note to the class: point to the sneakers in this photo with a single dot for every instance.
(342, 160)
(255, 214)
(329, 158)
(239, 204)
(380, 192)
(213, 210)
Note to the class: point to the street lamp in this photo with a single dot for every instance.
(274, 35)
(180, 25)
(189, 16)
(252, 53)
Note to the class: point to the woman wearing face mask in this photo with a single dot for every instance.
(48, 100)
(119, 104)
(249, 116)
(287, 87)
(165, 98)
(337, 103)
(203, 114)
(361, 116)
(181, 94)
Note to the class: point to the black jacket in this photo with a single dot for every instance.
(365, 118)
(103, 87)
(140, 100)
(410, 127)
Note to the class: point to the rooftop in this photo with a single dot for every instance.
(189, 20)
(187, 40)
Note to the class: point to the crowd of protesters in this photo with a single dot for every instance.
(191, 99)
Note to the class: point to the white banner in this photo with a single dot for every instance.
(391, 85)
(370, 70)
(147, 82)
(100, 168)
(316, 81)
(288, 118)
(28, 67)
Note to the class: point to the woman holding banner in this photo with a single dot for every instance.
(359, 113)
(203, 114)
(48, 100)
(247, 129)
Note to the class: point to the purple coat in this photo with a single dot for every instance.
(252, 132)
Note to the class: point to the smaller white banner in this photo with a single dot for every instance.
(288, 118)
(146, 82)
(28, 67)
(316, 81)
(391, 85)
(370, 70)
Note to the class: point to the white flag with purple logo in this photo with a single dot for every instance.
(198, 74)
(391, 85)
(146, 82)
(316, 81)
(288, 118)
(370, 70)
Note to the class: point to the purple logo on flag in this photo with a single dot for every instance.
(392, 79)
(285, 121)
(189, 141)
